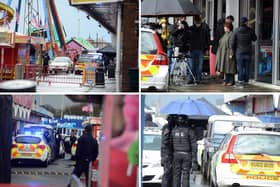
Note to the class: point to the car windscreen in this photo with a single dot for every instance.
(84, 59)
(61, 59)
(148, 43)
(152, 142)
(257, 144)
(28, 139)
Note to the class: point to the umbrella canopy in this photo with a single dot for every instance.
(151, 8)
(194, 109)
(107, 50)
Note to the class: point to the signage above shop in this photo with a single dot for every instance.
(81, 2)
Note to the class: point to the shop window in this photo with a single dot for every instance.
(266, 20)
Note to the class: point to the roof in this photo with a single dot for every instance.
(107, 49)
(233, 118)
(82, 42)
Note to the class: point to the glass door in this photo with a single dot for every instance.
(265, 37)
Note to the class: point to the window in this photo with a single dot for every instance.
(257, 144)
(148, 44)
(28, 140)
(152, 142)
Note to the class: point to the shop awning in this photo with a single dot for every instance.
(103, 11)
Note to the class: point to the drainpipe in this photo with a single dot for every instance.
(118, 48)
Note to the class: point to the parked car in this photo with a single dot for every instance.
(248, 158)
(152, 170)
(218, 127)
(61, 64)
(30, 148)
(89, 58)
(46, 131)
(154, 62)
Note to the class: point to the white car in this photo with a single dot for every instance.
(247, 159)
(154, 62)
(64, 64)
(30, 148)
(152, 170)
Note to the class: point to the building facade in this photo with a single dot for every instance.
(264, 18)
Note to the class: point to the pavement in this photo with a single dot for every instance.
(215, 85)
(56, 174)
(196, 180)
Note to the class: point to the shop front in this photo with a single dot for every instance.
(264, 19)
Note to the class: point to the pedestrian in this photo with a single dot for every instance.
(149, 121)
(181, 36)
(46, 59)
(57, 143)
(219, 32)
(167, 151)
(225, 63)
(73, 138)
(184, 152)
(241, 43)
(200, 41)
(87, 152)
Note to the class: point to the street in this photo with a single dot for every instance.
(56, 174)
(195, 181)
(70, 83)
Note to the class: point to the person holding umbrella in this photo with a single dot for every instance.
(166, 151)
(184, 151)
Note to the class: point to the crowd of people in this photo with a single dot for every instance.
(232, 47)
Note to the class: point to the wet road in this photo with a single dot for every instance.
(195, 181)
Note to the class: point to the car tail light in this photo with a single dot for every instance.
(14, 145)
(41, 147)
(161, 59)
(228, 156)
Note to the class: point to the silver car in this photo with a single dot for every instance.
(61, 64)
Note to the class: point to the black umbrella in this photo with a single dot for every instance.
(151, 8)
(107, 50)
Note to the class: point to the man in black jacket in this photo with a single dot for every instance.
(166, 151)
(200, 41)
(87, 152)
(184, 152)
(241, 43)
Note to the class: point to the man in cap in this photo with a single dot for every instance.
(87, 151)
(167, 151)
(184, 152)
(241, 43)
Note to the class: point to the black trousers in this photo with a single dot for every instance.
(167, 174)
(181, 171)
(80, 168)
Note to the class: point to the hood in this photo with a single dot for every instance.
(151, 157)
(54, 63)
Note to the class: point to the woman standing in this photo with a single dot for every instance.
(225, 62)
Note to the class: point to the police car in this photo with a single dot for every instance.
(247, 158)
(152, 170)
(30, 148)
